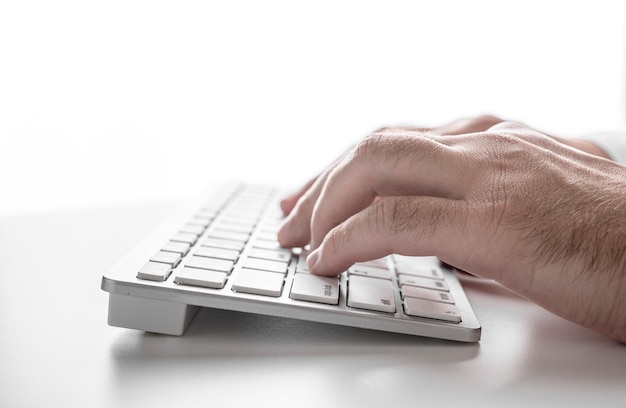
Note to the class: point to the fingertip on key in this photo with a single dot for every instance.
(290, 235)
(287, 204)
(283, 235)
(316, 264)
(312, 259)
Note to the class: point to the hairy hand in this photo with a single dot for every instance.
(496, 199)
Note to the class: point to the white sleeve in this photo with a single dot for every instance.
(612, 142)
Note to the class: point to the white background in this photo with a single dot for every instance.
(106, 107)
(130, 101)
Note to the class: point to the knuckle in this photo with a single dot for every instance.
(384, 130)
(486, 121)
(396, 130)
(508, 126)
(304, 206)
(376, 148)
(369, 146)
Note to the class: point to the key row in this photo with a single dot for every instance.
(263, 271)
(364, 292)
(226, 241)
(370, 287)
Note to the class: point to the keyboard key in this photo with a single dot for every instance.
(205, 215)
(229, 235)
(426, 294)
(210, 210)
(201, 277)
(371, 293)
(427, 283)
(313, 288)
(424, 271)
(172, 258)
(264, 244)
(220, 253)
(243, 228)
(186, 237)
(282, 255)
(258, 282)
(226, 244)
(226, 223)
(154, 271)
(213, 264)
(203, 222)
(273, 220)
(241, 215)
(432, 310)
(269, 229)
(301, 266)
(267, 236)
(372, 272)
(178, 247)
(265, 265)
(376, 263)
(428, 261)
(193, 229)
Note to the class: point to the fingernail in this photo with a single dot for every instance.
(284, 235)
(312, 259)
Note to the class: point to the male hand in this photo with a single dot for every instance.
(545, 217)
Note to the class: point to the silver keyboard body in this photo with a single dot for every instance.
(166, 304)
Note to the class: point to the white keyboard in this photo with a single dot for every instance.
(222, 253)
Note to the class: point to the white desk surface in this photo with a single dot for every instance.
(56, 348)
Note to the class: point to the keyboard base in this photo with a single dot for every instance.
(150, 315)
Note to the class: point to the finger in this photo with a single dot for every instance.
(416, 226)
(288, 203)
(296, 229)
(386, 166)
